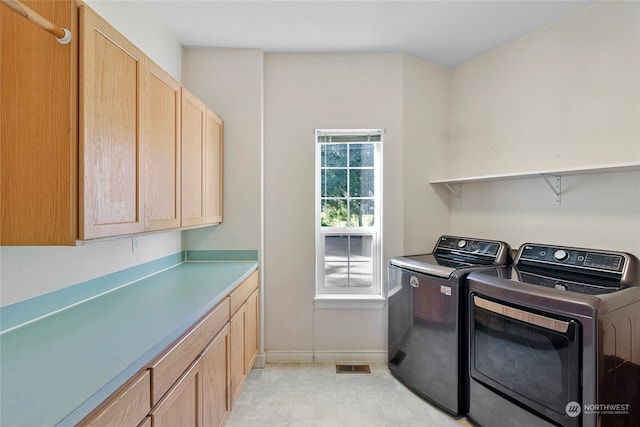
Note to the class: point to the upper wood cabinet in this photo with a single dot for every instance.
(202, 158)
(38, 119)
(97, 140)
(163, 104)
(214, 143)
(193, 143)
(112, 75)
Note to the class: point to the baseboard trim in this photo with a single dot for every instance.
(261, 360)
(326, 356)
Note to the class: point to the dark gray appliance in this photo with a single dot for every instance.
(555, 340)
(427, 317)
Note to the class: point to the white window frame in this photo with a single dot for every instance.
(350, 297)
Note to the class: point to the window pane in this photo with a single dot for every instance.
(336, 265)
(361, 182)
(333, 182)
(361, 261)
(333, 155)
(362, 213)
(361, 155)
(333, 213)
(348, 261)
(347, 181)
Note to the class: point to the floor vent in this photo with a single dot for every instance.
(353, 369)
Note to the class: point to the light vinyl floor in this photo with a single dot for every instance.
(313, 394)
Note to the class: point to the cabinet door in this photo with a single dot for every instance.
(181, 406)
(162, 143)
(251, 331)
(216, 399)
(111, 117)
(193, 132)
(214, 132)
(38, 112)
(237, 345)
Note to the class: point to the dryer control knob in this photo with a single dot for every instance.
(462, 244)
(561, 255)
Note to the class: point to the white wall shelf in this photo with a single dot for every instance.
(553, 177)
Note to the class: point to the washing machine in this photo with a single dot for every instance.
(554, 340)
(427, 343)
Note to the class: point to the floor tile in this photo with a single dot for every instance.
(314, 395)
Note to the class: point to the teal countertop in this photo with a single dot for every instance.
(56, 368)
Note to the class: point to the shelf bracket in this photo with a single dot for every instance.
(456, 190)
(555, 184)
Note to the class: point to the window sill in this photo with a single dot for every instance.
(338, 301)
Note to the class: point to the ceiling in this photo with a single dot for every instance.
(447, 32)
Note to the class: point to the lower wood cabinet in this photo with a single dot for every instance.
(195, 380)
(127, 407)
(182, 405)
(244, 333)
(167, 368)
(215, 367)
(251, 335)
(238, 365)
(201, 396)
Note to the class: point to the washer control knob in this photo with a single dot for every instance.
(462, 243)
(561, 255)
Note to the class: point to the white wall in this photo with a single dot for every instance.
(229, 81)
(304, 92)
(31, 271)
(565, 96)
(596, 211)
(425, 152)
(141, 26)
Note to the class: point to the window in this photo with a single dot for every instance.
(348, 213)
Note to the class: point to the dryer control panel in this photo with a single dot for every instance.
(616, 265)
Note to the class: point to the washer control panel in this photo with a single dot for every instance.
(464, 245)
(571, 257)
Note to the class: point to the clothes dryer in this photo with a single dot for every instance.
(555, 339)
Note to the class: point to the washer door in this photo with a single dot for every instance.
(426, 342)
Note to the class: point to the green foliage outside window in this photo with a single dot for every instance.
(347, 185)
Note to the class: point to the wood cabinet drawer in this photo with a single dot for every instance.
(242, 292)
(170, 365)
(127, 407)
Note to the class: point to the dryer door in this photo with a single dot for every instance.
(529, 356)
